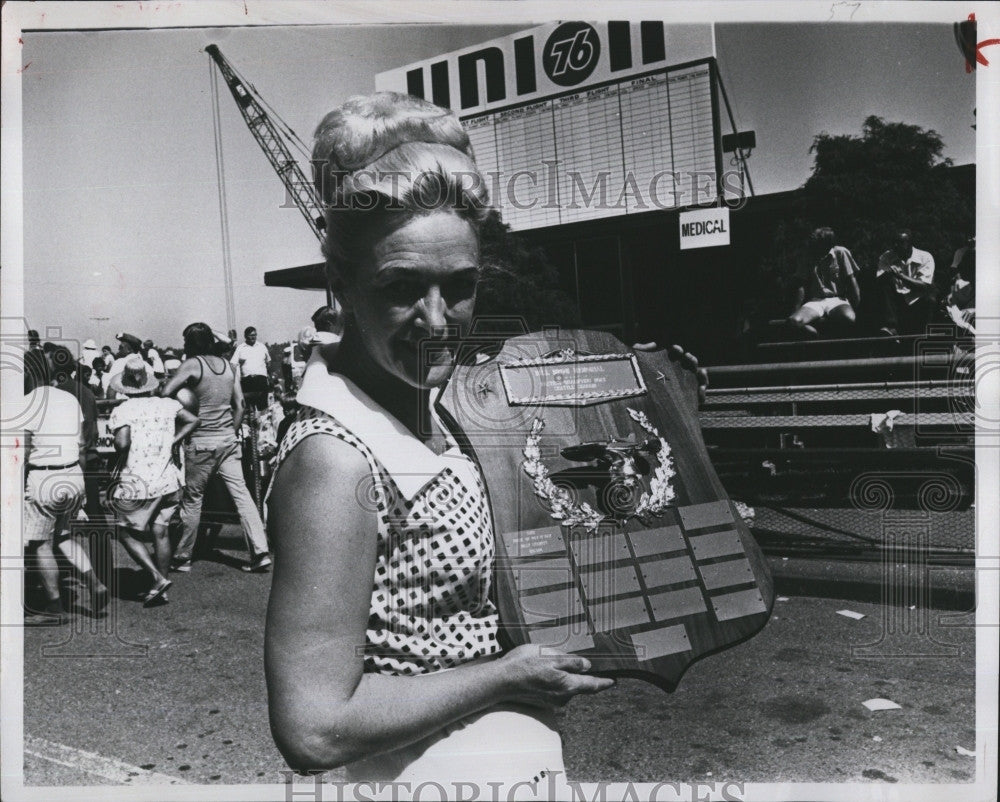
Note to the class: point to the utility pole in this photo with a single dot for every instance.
(100, 336)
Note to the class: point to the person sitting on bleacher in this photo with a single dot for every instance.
(906, 291)
(960, 304)
(831, 287)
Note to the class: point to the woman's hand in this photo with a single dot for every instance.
(687, 360)
(548, 679)
(690, 362)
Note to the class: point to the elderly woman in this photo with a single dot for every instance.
(382, 645)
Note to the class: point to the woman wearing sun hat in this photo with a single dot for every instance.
(146, 430)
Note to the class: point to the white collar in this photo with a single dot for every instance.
(410, 463)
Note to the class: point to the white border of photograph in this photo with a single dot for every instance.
(19, 16)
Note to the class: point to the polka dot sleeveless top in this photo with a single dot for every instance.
(430, 606)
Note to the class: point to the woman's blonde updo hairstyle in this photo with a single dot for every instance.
(382, 159)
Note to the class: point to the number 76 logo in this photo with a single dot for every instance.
(571, 53)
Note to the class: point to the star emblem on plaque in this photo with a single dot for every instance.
(615, 538)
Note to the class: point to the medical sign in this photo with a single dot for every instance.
(547, 60)
(704, 228)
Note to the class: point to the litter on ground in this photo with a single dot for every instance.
(881, 704)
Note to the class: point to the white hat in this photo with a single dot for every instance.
(134, 378)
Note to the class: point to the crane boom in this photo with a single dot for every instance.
(262, 127)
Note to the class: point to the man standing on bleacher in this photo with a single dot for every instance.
(906, 292)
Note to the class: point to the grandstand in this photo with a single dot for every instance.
(847, 448)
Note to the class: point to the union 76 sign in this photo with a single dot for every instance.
(571, 53)
(547, 60)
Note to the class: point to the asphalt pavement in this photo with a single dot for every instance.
(176, 694)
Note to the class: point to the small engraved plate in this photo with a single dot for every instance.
(667, 572)
(677, 604)
(701, 516)
(551, 606)
(598, 550)
(542, 573)
(722, 575)
(660, 642)
(619, 613)
(571, 638)
(613, 582)
(575, 380)
(656, 541)
(718, 544)
(532, 542)
(739, 604)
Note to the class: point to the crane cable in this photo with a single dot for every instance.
(220, 175)
(740, 155)
(289, 132)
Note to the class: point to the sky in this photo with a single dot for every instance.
(121, 212)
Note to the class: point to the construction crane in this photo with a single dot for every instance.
(272, 142)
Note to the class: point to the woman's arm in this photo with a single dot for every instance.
(123, 440)
(325, 711)
(185, 373)
(184, 424)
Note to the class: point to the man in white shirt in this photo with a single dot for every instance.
(251, 362)
(905, 279)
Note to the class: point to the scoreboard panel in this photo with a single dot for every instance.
(642, 143)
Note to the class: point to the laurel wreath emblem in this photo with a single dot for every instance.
(569, 513)
(661, 490)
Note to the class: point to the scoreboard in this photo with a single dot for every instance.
(633, 146)
(578, 121)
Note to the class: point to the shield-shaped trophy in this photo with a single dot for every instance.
(615, 538)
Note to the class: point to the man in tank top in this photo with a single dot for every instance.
(214, 447)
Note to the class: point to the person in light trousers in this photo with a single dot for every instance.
(213, 448)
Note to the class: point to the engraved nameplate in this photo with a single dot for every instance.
(534, 542)
(572, 380)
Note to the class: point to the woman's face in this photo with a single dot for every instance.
(413, 298)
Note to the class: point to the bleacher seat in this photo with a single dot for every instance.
(795, 440)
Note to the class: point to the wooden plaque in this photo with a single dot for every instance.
(615, 539)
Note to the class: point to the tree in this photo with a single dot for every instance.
(519, 282)
(891, 177)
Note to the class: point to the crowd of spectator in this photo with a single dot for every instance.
(176, 419)
(181, 417)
